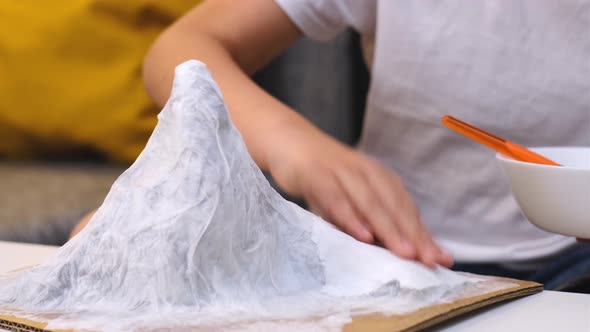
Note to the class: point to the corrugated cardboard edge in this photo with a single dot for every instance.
(436, 314)
(410, 322)
(16, 324)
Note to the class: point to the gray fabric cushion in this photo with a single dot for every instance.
(42, 202)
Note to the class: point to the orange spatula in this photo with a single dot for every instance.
(501, 145)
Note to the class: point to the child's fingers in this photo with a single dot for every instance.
(370, 207)
(445, 259)
(394, 193)
(368, 202)
(400, 207)
(433, 253)
(329, 199)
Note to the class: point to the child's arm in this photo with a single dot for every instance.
(236, 38)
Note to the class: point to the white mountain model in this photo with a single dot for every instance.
(193, 234)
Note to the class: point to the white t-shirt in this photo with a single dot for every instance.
(520, 69)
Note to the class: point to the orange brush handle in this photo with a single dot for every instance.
(496, 143)
(521, 153)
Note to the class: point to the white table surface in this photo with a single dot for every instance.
(543, 312)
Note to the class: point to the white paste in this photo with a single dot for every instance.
(192, 236)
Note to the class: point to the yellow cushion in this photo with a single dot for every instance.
(70, 75)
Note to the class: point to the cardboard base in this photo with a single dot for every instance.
(414, 321)
(438, 313)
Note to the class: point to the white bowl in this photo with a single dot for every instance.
(555, 198)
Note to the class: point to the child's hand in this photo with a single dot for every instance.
(356, 194)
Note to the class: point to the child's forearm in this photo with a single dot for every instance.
(232, 54)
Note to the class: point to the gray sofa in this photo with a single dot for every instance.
(40, 202)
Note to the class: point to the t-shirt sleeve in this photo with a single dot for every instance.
(324, 19)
